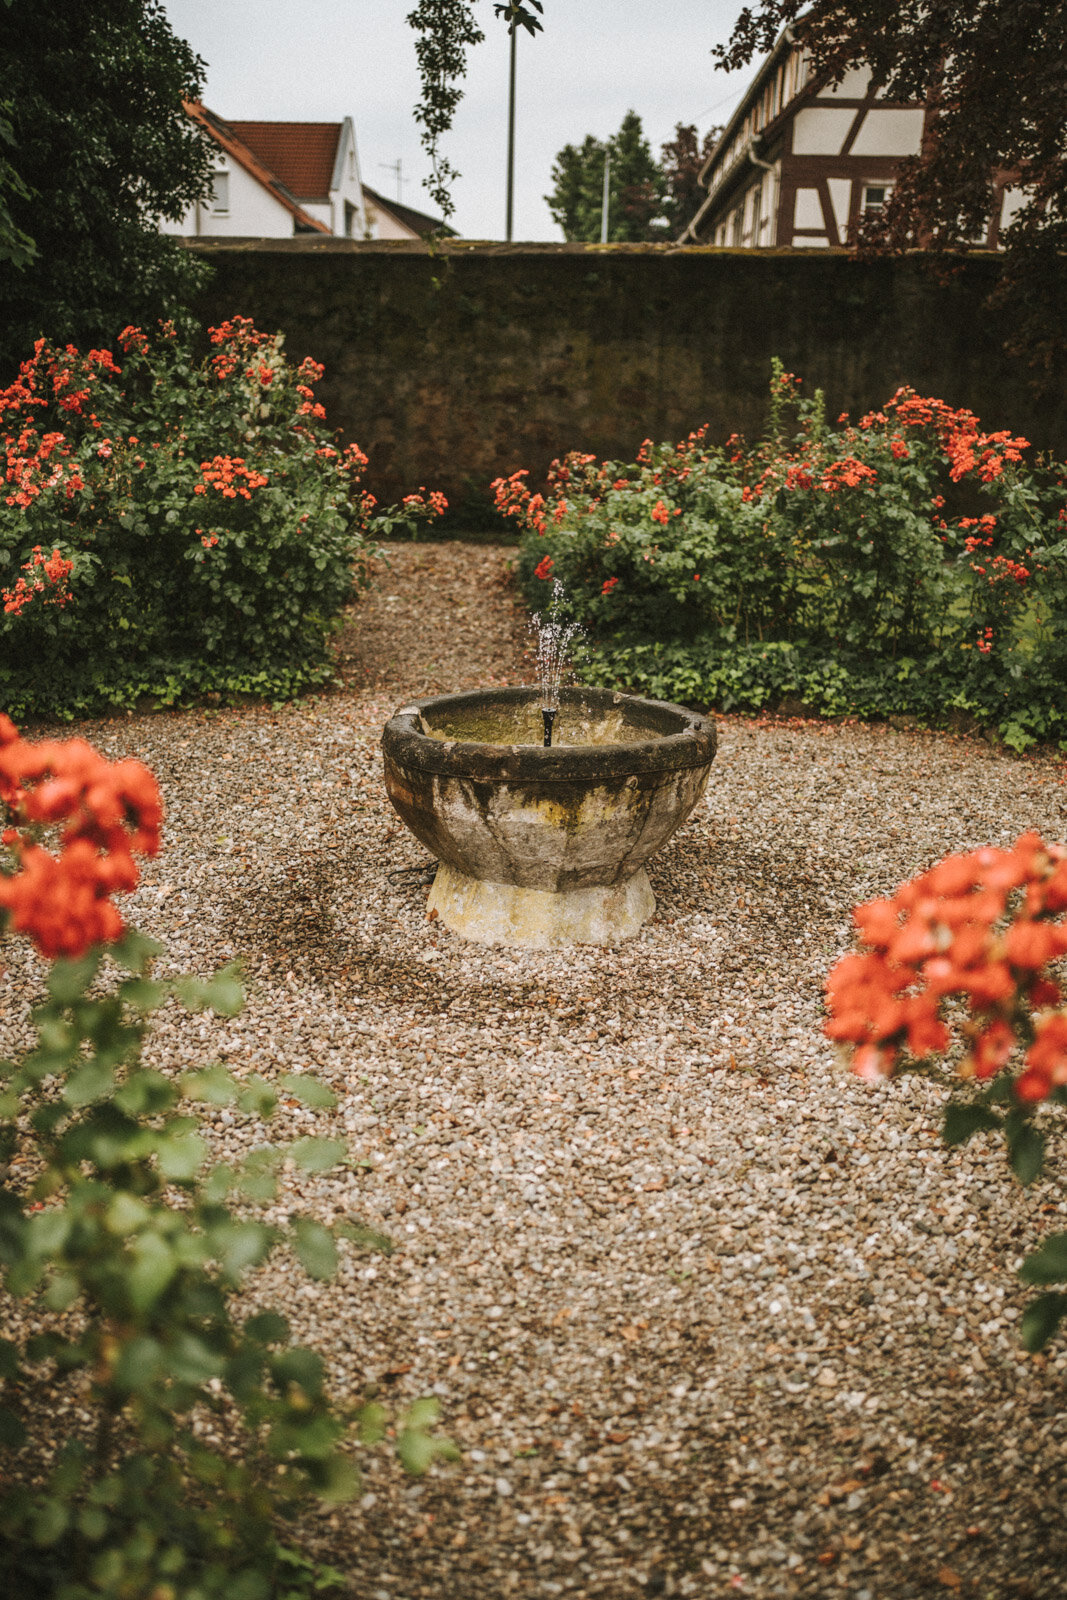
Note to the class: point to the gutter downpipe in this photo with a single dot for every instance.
(789, 35)
(750, 150)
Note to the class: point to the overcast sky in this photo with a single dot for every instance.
(322, 60)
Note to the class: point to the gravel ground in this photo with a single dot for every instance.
(704, 1313)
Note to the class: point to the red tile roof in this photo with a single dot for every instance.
(224, 134)
(301, 153)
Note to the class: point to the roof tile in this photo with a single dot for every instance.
(302, 154)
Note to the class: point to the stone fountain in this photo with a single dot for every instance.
(542, 837)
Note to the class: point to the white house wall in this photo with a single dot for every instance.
(348, 191)
(841, 199)
(1011, 204)
(253, 211)
(890, 133)
(821, 130)
(383, 225)
(853, 85)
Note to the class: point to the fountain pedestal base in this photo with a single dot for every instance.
(538, 919)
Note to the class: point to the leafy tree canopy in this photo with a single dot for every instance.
(637, 189)
(682, 159)
(648, 200)
(96, 148)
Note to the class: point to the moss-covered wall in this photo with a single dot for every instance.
(449, 368)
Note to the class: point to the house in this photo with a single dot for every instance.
(271, 180)
(802, 159)
(388, 219)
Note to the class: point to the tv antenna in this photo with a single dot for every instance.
(396, 167)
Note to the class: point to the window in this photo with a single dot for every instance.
(875, 195)
(757, 195)
(350, 218)
(738, 225)
(220, 193)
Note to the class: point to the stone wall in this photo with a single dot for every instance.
(452, 366)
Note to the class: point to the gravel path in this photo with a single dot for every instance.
(705, 1314)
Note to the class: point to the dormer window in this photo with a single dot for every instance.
(220, 194)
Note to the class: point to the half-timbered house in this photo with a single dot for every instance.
(802, 158)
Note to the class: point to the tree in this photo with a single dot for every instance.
(636, 189)
(445, 31)
(681, 160)
(994, 77)
(98, 148)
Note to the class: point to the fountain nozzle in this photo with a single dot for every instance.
(548, 718)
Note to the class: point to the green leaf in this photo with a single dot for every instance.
(190, 1359)
(212, 1085)
(68, 980)
(23, 1276)
(218, 1183)
(62, 1291)
(50, 1522)
(1048, 1263)
(963, 1118)
(146, 1093)
(1041, 1319)
(418, 1451)
(336, 1482)
(224, 993)
(47, 1231)
(422, 1413)
(258, 1098)
(181, 1156)
(317, 1155)
(301, 1367)
(134, 950)
(141, 1361)
(92, 1523)
(315, 1248)
(367, 1238)
(12, 1432)
(257, 1183)
(143, 993)
(240, 1245)
(9, 1359)
(153, 1264)
(308, 1090)
(92, 1082)
(1027, 1147)
(267, 1327)
(371, 1423)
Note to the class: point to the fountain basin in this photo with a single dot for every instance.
(541, 848)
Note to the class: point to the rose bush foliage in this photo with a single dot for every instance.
(189, 1431)
(911, 563)
(173, 526)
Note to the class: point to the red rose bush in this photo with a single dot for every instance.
(129, 1328)
(839, 565)
(963, 961)
(173, 525)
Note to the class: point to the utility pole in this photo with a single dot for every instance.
(606, 202)
(511, 134)
(517, 14)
